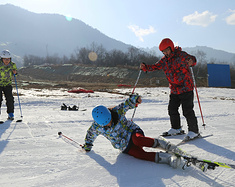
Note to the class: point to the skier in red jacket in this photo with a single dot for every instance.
(176, 66)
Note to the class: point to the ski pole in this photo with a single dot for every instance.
(133, 92)
(194, 82)
(60, 134)
(18, 99)
(136, 82)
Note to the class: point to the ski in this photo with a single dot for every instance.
(220, 164)
(19, 120)
(202, 164)
(164, 134)
(187, 139)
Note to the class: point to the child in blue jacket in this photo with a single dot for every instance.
(127, 136)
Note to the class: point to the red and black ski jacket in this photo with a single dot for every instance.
(176, 70)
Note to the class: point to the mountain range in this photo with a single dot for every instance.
(211, 55)
(27, 33)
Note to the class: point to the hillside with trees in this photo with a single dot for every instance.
(95, 68)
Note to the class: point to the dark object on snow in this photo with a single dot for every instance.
(75, 108)
(64, 107)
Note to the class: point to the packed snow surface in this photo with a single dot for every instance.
(32, 153)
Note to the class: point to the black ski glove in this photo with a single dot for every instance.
(87, 147)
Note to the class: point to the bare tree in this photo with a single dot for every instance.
(133, 54)
(82, 56)
(201, 59)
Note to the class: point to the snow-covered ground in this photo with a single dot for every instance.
(32, 153)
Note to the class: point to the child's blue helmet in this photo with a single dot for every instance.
(101, 115)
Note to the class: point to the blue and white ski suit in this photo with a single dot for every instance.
(120, 134)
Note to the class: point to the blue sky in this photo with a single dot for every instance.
(144, 23)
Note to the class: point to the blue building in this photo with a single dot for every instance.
(218, 75)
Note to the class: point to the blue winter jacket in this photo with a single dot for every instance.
(118, 134)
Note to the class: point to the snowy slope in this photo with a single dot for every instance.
(32, 153)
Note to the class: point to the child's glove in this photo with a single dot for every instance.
(87, 147)
(143, 67)
(134, 99)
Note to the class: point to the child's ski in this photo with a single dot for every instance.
(202, 164)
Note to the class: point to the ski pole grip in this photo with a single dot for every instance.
(59, 133)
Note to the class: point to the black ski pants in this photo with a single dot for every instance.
(7, 90)
(186, 101)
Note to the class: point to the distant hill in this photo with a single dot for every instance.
(218, 56)
(213, 54)
(27, 33)
(24, 33)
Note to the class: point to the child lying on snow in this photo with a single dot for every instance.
(127, 136)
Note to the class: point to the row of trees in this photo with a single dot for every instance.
(87, 56)
(101, 57)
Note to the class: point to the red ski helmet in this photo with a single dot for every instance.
(165, 43)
